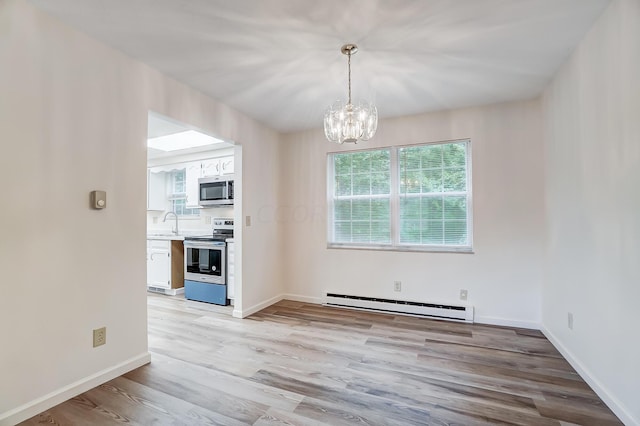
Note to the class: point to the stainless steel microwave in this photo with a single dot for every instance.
(215, 191)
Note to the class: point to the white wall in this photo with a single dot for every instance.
(592, 117)
(73, 118)
(503, 275)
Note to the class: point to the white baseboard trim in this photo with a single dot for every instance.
(612, 402)
(260, 306)
(506, 322)
(305, 299)
(257, 307)
(56, 397)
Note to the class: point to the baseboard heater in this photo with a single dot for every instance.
(419, 309)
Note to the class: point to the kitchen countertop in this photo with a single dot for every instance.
(165, 237)
(172, 237)
(166, 234)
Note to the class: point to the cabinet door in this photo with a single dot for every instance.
(156, 190)
(193, 171)
(211, 167)
(226, 165)
(159, 264)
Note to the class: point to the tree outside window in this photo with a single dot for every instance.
(401, 197)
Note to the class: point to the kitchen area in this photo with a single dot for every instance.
(190, 213)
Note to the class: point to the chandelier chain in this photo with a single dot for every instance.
(349, 61)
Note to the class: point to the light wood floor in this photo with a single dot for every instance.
(301, 364)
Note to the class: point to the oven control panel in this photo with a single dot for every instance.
(222, 223)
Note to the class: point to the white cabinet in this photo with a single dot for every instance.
(156, 190)
(226, 165)
(217, 166)
(231, 274)
(211, 167)
(193, 171)
(159, 263)
(165, 265)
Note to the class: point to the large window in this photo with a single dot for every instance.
(362, 194)
(178, 195)
(414, 198)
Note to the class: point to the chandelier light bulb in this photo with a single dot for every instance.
(350, 123)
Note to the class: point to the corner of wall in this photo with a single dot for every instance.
(587, 375)
(59, 396)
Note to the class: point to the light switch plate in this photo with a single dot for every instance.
(98, 199)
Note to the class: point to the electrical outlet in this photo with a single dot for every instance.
(99, 336)
(207, 220)
(397, 286)
(155, 220)
(570, 320)
(463, 294)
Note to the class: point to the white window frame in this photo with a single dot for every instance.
(395, 244)
(331, 215)
(174, 196)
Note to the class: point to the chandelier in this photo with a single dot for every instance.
(350, 123)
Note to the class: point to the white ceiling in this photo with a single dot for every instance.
(279, 61)
(159, 125)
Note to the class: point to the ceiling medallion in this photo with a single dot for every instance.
(350, 123)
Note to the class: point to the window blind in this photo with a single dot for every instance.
(405, 197)
(433, 194)
(361, 197)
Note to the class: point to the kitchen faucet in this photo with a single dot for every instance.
(164, 219)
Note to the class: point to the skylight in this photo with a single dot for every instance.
(182, 140)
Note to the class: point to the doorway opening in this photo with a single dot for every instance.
(191, 251)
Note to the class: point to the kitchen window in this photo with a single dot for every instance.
(178, 195)
(414, 197)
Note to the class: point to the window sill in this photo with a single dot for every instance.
(420, 249)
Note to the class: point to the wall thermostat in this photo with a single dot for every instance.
(98, 199)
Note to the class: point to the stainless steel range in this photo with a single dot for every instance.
(205, 264)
